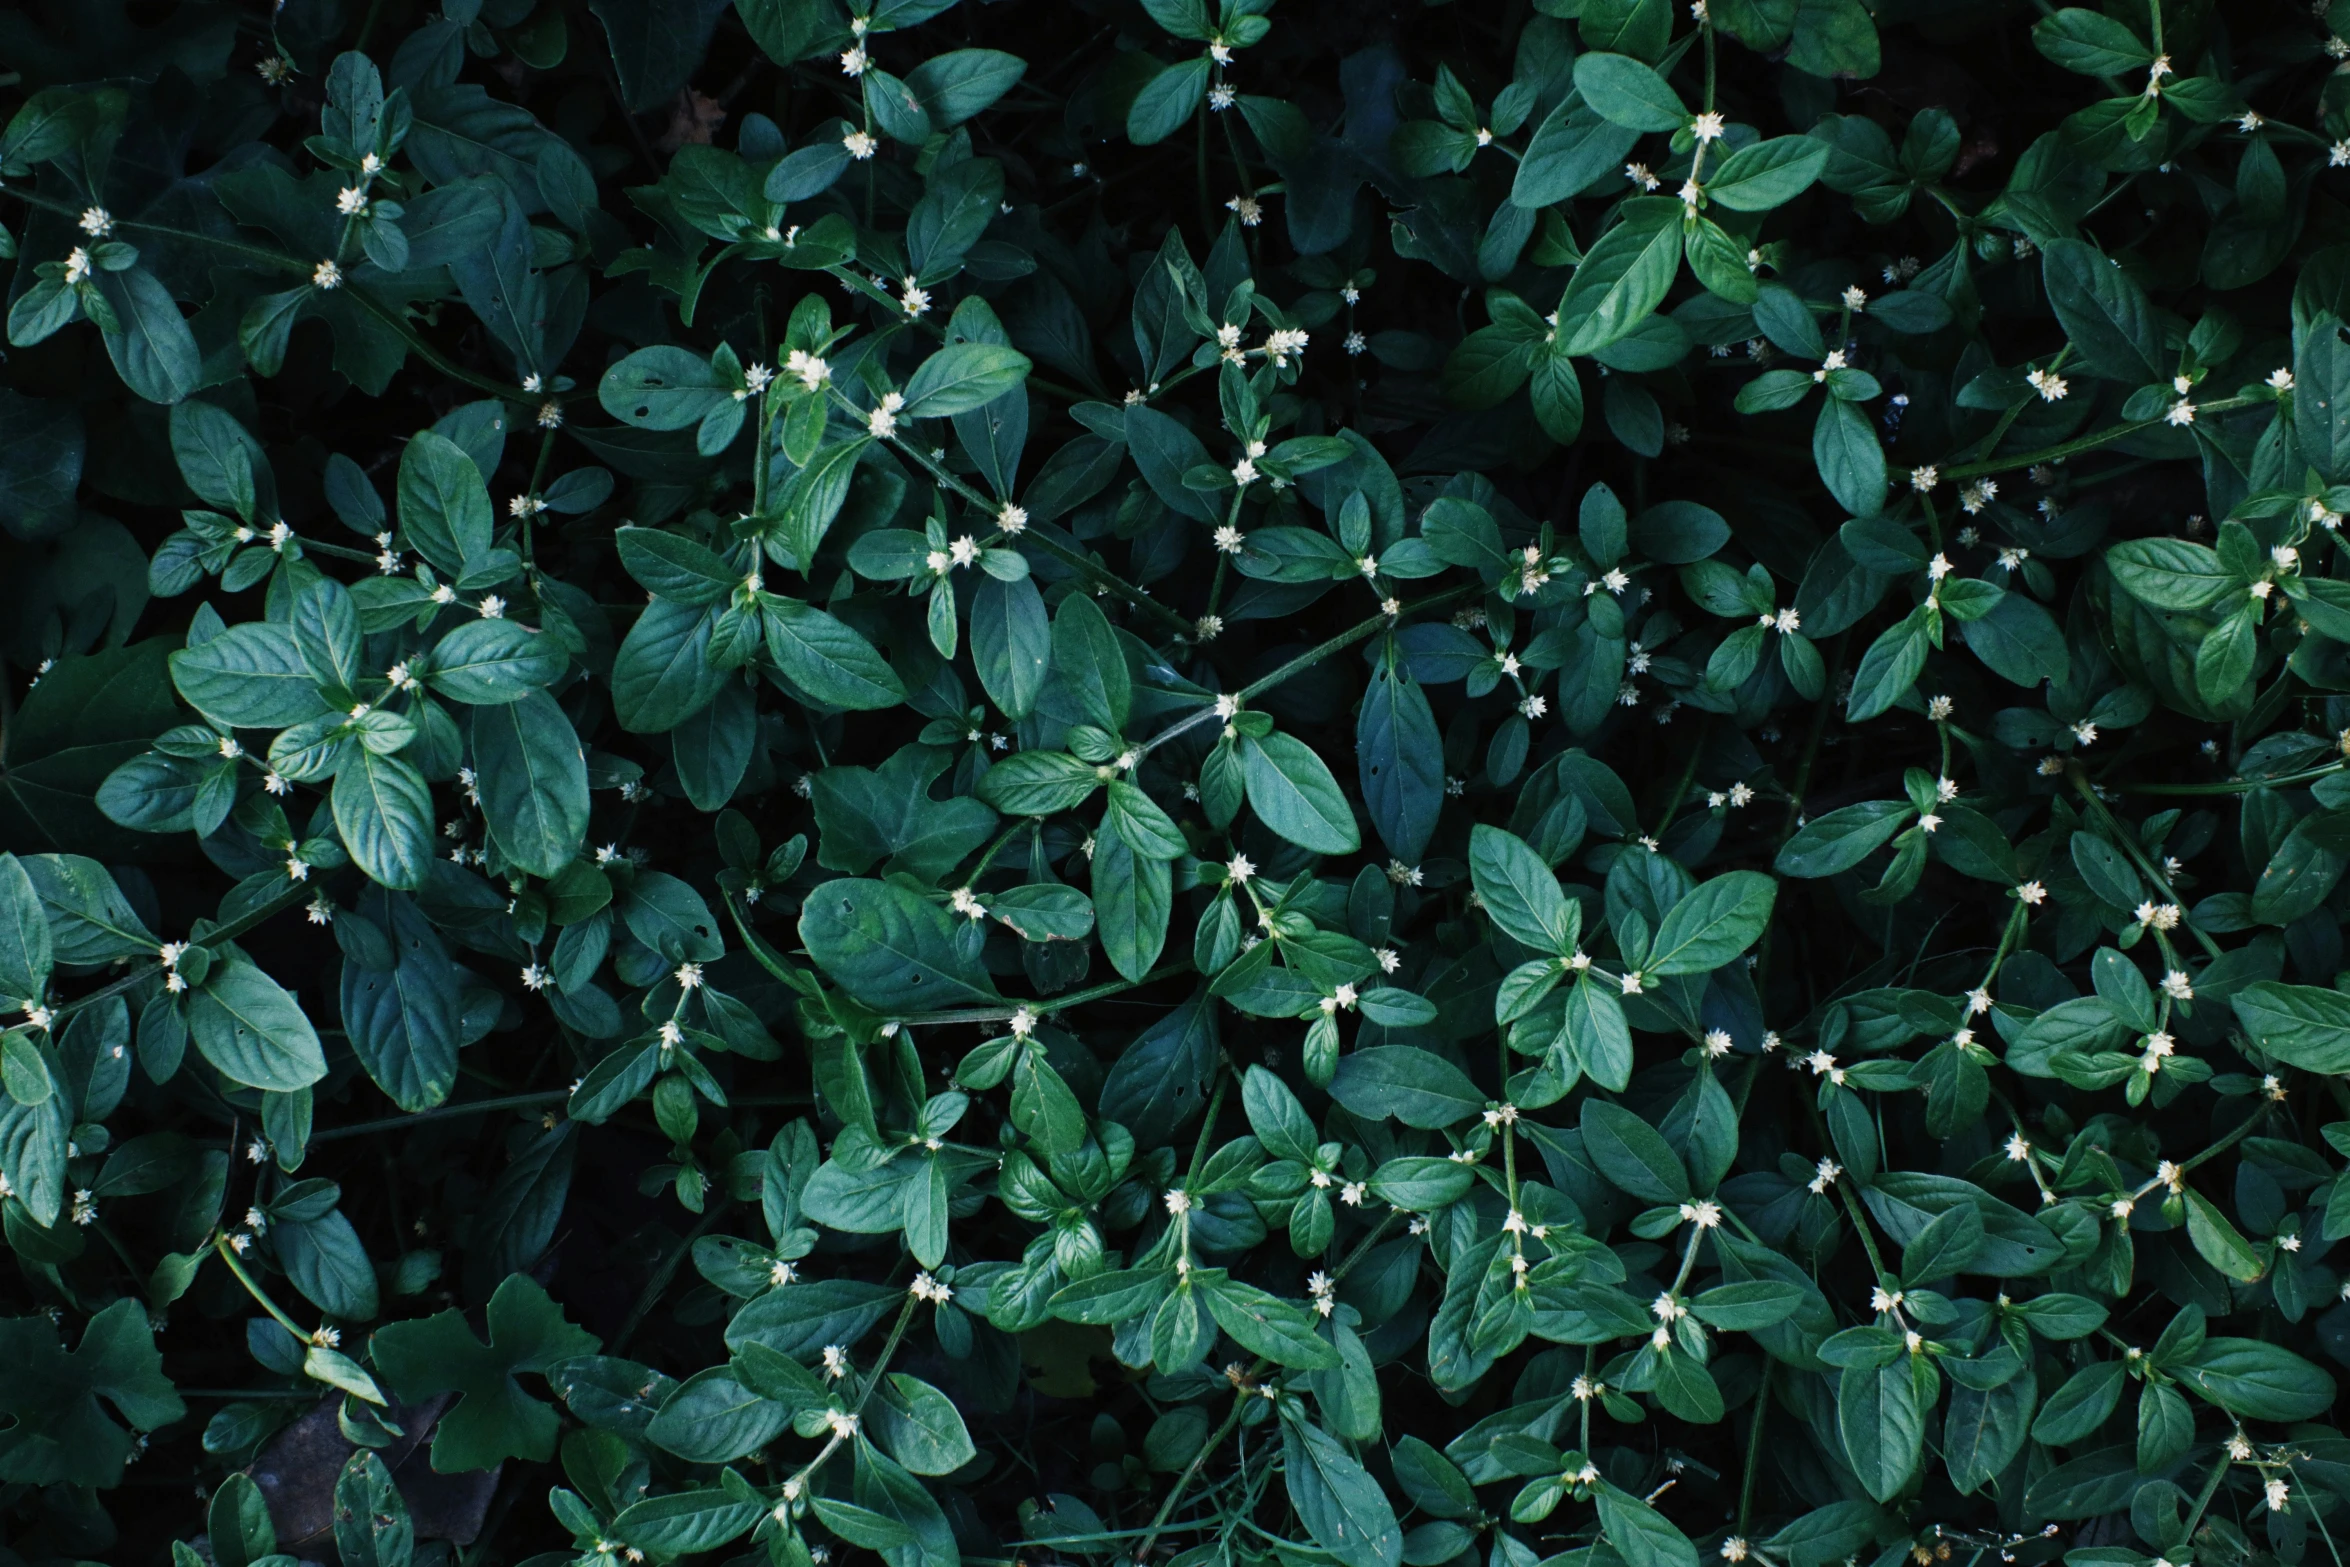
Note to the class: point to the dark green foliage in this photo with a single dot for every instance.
(1082, 782)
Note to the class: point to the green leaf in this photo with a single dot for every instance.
(444, 506)
(1087, 656)
(2254, 1380)
(1623, 277)
(2104, 311)
(963, 376)
(918, 1426)
(1292, 792)
(1167, 100)
(247, 1025)
(1712, 925)
(826, 659)
(25, 951)
(1641, 1535)
(1520, 892)
(889, 947)
(1767, 174)
(1342, 1507)
(2091, 43)
(383, 809)
(1417, 1087)
(251, 676)
(493, 1418)
(1883, 1428)
(1632, 1154)
(1628, 93)
(2307, 1026)
(154, 351)
(532, 777)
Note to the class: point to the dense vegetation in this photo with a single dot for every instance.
(1079, 782)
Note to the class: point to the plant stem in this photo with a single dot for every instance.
(2084, 443)
(394, 1123)
(1305, 661)
(1754, 1431)
(293, 894)
(1075, 998)
(261, 1296)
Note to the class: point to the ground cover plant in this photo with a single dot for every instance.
(1174, 779)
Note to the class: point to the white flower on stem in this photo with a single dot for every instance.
(853, 60)
(2051, 387)
(1250, 211)
(2085, 732)
(1178, 1202)
(2176, 986)
(77, 266)
(860, 144)
(326, 275)
(1238, 870)
(2181, 412)
(914, 298)
(2280, 379)
(1638, 174)
(1707, 127)
(1012, 519)
(1924, 478)
(812, 371)
(883, 421)
(96, 222)
(1856, 298)
(550, 415)
(351, 201)
(1977, 495)
(534, 977)
(2277, 1491)
(1824, 1176)
(1717, 1043)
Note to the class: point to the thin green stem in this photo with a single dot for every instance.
(1754, 1431)
(1075, 998)
(396, 1123)
(228, 1254)
(2085, 443)
(2127, 842)
(1305, 661)
(294, 893)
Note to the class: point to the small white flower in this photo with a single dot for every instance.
(2085, 732)
(1534, 706)
(2277, 1491)
(1389, 960)
(2032, 893)
(689, 976)
(351, 201)
(1631, 984)
(2121, 1207)
(1707, 127)
(2052, 388)
(96, 222)
(1717, 1043)
(1929, 822)
(2280, 379)
(550, 415)
(812, 371)
(326, 275)
(1244, 472)
(1734, 1549)
(836, 1361)
(1856, 298)
(1178, 1202)
(1251, 212)
(914, 298)
(860, 144)
(1977, 495)
(1638, 174)
(1221, 97)
(1938, 568)
(1239, 870)
(2181, 412)
(1740, 795)
(1824, 1176)
(1229, 540)
(883, 421)
(1924, 478)
(297, 868)
(77, 266)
